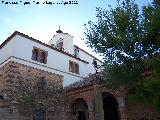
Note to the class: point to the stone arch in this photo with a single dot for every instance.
(110, 107)
(79, 109)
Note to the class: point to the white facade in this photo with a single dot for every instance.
(19, 48)
(67, 42)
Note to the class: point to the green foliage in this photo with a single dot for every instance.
(25, 101)
(31, 95)
(128, 75)
(123, 33)
(147, 93)
(129, 40)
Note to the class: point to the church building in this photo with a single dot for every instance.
(62, 62)
(59, 56)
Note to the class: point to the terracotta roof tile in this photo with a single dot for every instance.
(88, 81)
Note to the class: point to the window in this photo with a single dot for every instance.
(76, 52)
(43, 57)
(60, 44)
(39, 55)
(76, 68)
(73, 67)
(35, 54)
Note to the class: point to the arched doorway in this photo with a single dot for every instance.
(80, 109)
(110, 107)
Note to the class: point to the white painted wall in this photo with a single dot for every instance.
(7, 50)
(68, 78)
(67, 42)
(89, 58)
(57, 62)
(69, 47)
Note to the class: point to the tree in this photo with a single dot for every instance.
(36, 97)
(129, 40)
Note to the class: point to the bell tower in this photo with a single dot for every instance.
(62, 41)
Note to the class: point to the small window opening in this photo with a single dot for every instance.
(43, 56)
(76, 52)
(77, 68)
(35, 54)
(71, 66)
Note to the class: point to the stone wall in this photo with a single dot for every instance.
(92, 95)
(10, 73)
(5, 114)
(87, 94)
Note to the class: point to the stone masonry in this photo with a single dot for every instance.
(89, 90)
(10, 73)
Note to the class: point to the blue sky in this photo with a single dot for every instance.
(41, 21)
